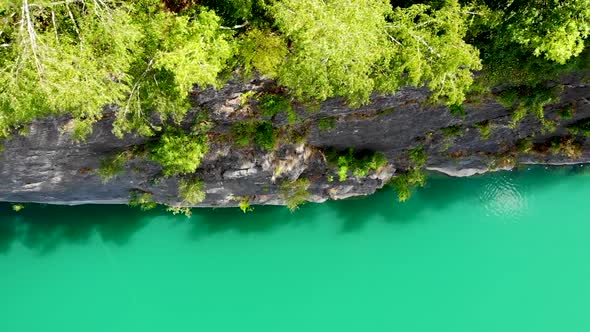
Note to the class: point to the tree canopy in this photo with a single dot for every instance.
(141, 58)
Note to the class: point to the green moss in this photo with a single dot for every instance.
(327, 124)
(452, 131)
(581, 127)
(271, 104)
(295, 193)
(566, 113)
(457, 110)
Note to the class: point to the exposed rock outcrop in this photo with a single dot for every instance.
(46, 166)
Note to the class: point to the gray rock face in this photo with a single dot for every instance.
(47, 166)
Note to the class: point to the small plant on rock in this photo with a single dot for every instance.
(191, 190)
(244, 205)
(485, 129)
(295, 192)
(110, 168)
(179, 153)
(143, 200)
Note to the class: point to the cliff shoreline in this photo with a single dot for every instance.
(46, 166)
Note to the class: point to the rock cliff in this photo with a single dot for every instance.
(46, 165)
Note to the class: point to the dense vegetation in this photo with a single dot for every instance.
(141, 58)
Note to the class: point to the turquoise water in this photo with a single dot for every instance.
(504, 252)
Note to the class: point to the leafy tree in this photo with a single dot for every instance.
(177, 52)
(335, 44)
(262, 50)
(67, 57)
(555, 29)
(526, 42)
(75, 57)
(352, 48)
(429, 49)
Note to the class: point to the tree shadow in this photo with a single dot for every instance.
(43, 228)
(440, 192)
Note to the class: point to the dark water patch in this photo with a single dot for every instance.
(45, 228)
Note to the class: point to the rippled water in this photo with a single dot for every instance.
(503, 252)
(503, 197)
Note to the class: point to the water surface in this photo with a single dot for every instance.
(503, 252)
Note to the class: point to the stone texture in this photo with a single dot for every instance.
(47, 166)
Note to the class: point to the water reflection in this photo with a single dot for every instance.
(43, 228)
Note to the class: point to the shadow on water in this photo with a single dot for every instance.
(43, 228)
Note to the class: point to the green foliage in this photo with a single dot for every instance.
(452, 131)
(71, 65)
(525, 42)
(457, 110)
(418, 156)
(581, 127)
(524, 145)
(17, 207)
(191, 190)
(143, 200)
(334, 45)
(327, 124)
(271, 105)
(142, 58)
(177, 51)
(350, 49)
(404, 183)
(111, 167)
(555, 29)
(261, 133)
(263, 51)
(295, 192)
(525, 100)
(359, 164)
(245, 205)
(179, 153)
(485, 129)
(187, 211)
(75, 57)
(431, 50)
(566, 113)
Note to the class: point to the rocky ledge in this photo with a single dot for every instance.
(45, 165)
